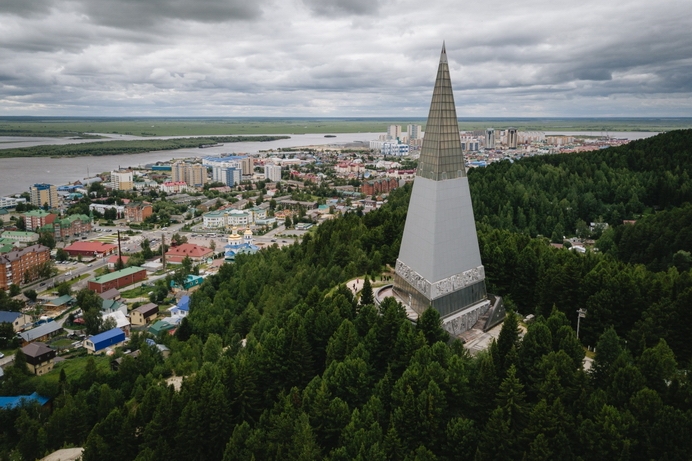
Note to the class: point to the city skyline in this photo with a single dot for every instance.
(342, 58)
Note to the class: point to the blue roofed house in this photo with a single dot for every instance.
(181, 309)
(18, 320)
(101, 341)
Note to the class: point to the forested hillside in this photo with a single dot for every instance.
(549, 195)
(323, 377)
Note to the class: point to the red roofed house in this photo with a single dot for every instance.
(90, 249)
(113, 260)
(195, 252)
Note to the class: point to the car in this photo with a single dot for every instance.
(41, 284)
(2, 356)
(89, 265)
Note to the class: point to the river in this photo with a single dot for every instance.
(17, 174)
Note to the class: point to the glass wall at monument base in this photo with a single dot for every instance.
(445, 305)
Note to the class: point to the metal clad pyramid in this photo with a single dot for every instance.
(441, 156)
(439, 261)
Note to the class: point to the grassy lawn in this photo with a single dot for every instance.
(138, 292)
(74, 367)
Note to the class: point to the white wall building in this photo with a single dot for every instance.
(122, 180)
(102, 207)
(394, 149)
(272, 172)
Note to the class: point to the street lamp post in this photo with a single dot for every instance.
(581, 313)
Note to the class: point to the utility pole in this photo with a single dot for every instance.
(163, 249)
(120, 251)
(581, 313)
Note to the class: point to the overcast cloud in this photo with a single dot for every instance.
(344, 57)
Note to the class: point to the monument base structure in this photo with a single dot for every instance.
(439, 264)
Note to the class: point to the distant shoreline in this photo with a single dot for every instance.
(120, 147)
(150, 127)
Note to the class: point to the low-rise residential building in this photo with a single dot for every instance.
(196, 253)
(121, 321)
(113, 293)
(379, 186)
(41, 333)
(90, 249)
(182, 309)
(70, 226)
(189, 283)
(18, 320)
(138, 212)
(22, 265)
(11, 202)
(102, 207)
(39, 358)
(117, 279)
(99, 343)
(20, 236)
(108, 306)
(144, 314)
(113, 260)
(174, 187)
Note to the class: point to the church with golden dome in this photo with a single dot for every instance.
(239, 244)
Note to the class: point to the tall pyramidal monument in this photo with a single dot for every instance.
(439, 264)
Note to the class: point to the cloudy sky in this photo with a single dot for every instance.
(345, 58)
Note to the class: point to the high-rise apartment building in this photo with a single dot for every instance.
(44, 194)
(393, 131)
(247, 165)
(490, 138)
(512, 138)
(193, 174)
(414, 131)
(272, 172)
(122, 180)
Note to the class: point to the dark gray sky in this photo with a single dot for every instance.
(344, 57)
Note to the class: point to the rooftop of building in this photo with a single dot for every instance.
(117, 274)
(39, 213)
(16, 254)
(189, 249)
(96, 247)
(107, 335)
(36, 349)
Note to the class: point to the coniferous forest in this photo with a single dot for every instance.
(282, 363)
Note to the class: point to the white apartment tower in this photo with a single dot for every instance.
(414, 131)
(122, 180)
(272, 172)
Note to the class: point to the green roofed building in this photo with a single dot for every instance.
(70, 226)
(117, 279)
(20, 236)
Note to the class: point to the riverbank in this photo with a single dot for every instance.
(18, 173)
(119, 147)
